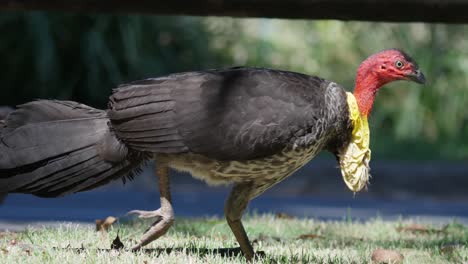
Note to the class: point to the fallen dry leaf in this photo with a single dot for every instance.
(309, 236)
(384, 256)
(117, 244)
(5, 251)
(98, 224)
(103, 225)
(281, 215)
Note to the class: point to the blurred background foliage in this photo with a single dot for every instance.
(82, 57)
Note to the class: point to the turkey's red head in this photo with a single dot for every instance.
(380, 69)
(392, 65)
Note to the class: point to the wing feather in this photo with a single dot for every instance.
(235, 114)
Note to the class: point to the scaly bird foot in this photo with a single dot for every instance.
(163, 222)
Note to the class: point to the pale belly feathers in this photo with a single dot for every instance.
(264, 171)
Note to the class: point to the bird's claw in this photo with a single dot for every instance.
(163, 221)
(136, 247)
(146, 214)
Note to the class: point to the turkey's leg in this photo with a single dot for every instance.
(233, 210)
(164, 215)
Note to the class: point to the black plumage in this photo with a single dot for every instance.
(248, 126)
(234, 114)
(52, 148)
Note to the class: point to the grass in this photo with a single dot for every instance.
(195, 241)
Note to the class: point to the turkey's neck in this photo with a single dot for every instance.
(367, 85)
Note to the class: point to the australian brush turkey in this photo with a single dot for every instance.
(252, 127)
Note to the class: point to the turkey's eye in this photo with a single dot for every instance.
(399, 64)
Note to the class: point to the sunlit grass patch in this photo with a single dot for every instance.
(206, 240)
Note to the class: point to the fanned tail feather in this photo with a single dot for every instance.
(54, 148)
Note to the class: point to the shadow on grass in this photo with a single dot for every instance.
(223, 252)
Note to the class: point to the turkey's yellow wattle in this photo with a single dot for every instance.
(354, 160)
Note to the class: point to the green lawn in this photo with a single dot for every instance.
(196, 241)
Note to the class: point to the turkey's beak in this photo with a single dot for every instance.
(417, 76)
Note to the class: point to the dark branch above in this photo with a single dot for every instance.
(447, 11)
